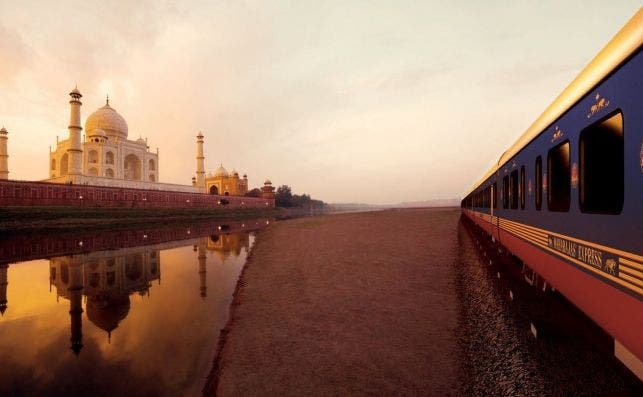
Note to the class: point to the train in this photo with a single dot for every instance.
(567, 197)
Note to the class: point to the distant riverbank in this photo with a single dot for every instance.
(25, 219)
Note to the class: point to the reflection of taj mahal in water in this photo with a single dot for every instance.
(107, 279)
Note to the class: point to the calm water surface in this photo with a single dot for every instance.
(138, 320)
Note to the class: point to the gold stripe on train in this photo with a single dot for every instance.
(625, 256)
(632, 280)
(631, 264)
(623, 280)
(526, 235)
(526, 229)
(630, 273)
(535, 236)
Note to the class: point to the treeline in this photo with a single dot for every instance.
(285, 199)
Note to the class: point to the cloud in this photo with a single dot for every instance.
(16, 57)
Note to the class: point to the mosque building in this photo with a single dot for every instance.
(227, 184)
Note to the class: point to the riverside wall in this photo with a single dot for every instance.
(45, 194)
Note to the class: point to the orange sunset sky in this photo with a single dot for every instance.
(349, 101)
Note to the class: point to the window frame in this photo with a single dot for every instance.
(582, 200)
(513, 189)
(557, 206)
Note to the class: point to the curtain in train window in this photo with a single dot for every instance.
(505, 192)
(513, 189)
(601, 168)
(558, 178)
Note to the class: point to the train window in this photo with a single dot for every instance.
(558, 178)
(495, 195)
(522, 187)
(539, 183)
(601, 179)
(513, 189)
(505, 192)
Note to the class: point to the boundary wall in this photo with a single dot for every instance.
(45, 194)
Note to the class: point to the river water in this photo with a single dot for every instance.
(141, 319)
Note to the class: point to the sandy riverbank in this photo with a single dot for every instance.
(346, 304)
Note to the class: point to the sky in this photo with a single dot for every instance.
(349, 101)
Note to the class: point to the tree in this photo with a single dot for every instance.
(256, 192)
(283, 197)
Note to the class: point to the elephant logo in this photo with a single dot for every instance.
(610, 266)
(600, 103)
(557, 134)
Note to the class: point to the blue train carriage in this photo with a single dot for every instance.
(567, 197)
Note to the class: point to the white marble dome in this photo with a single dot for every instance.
(107, 119)
(221, 172)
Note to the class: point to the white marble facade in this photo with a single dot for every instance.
(107, 157)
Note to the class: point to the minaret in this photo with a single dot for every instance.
(4, 155)
(3, 287)
(202, 270)
(75, 151)
(76, 306)
(200, 162)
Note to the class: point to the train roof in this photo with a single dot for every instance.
(622, 45)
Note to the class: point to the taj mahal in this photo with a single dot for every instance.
(105, 156)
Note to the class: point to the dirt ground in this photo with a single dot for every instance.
(347, 304)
